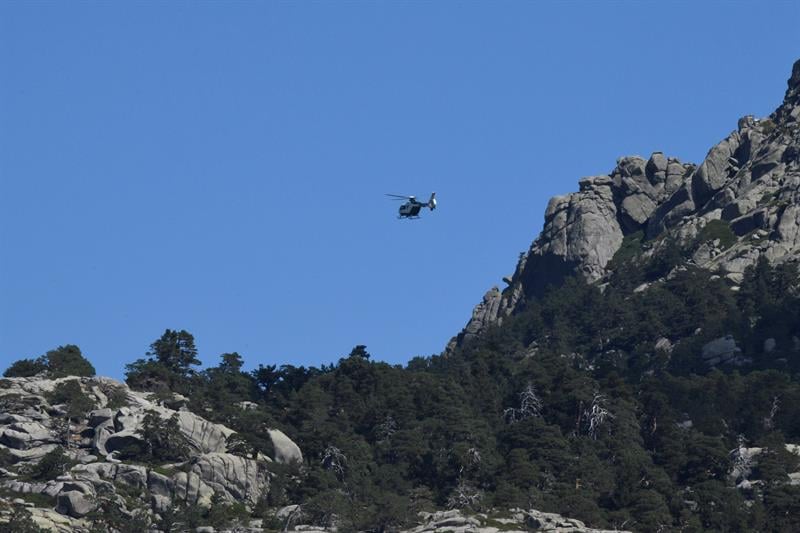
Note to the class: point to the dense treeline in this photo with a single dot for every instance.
(592, 403)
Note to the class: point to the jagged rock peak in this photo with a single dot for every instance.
(789, 111)
(794, 81)
(750, 181)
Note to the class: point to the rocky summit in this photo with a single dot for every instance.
(745, 195)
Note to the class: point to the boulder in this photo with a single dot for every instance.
(52, 521)
(286, 451)
(122, 440)
(188, 487)
(159, 484)
(714, 171)
(580, 236)
(203, 436)
(656, 168)
(721, 351)
(236, 478)
(160, 503)
(132, 475)
(99, 416)
(24, 435)
(75, 504)
(663, 345)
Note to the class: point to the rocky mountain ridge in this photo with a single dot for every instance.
(747, 189)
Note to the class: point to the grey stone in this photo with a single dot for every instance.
(160, 503)
(237, 478)
(663, 345)
(580, 237)
(191, 489)
(75, 504)
(656, 168)
(285, 512)
(713, 173)
(721, 350)
(122, 440)
(286, 451)
(132, 475)
(248, 406)
(99, 416)
(159, 484)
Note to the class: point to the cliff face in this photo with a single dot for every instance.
(750, 182)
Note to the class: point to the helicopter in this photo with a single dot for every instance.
(412, 206)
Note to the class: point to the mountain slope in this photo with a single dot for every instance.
(748, 183)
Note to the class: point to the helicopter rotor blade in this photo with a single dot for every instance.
(400, 196)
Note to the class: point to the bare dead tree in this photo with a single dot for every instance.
(769, 422)
(464, 495)
(386, 429)
(530, 403)
(596, 415)
(473, 457)
(530, 406)
(333, 459)
(741, 460)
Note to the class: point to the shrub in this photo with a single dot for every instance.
(222, 514)
(631, 247)
(71, 394)
(68, 361)
(63, 361)
(6, 458)
(116, 397)
(20, 521)
(25, 368)
(55, 463)
(767, 198)
(717, 230)
(164, 438)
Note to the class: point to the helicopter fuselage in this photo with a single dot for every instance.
(410, 209)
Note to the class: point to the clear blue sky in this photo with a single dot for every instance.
(221, 167)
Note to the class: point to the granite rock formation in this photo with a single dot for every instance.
(749, 182)
(31, 426)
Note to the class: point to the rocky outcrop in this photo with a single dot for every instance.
(286, 451)
(513, 520)
(457, 521)
(582, 232)
(30, 427)
(723, 351)
(749, 182)
(239, 479)
(744, 461)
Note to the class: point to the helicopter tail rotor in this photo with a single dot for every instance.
(432, 201)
